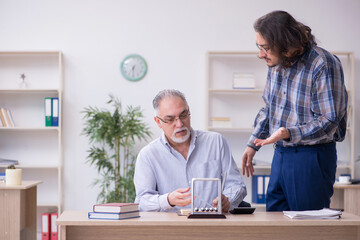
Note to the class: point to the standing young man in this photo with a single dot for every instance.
(304, 114)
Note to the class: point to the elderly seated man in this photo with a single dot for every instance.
(165, 167)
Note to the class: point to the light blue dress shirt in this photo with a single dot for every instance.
(160, 170)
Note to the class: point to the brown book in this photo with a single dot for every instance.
(116, 207)
(10, 118)
(2, 118)
(6, 116)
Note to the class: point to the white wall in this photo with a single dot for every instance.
(172, 35)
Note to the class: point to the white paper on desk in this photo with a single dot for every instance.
(324, 213)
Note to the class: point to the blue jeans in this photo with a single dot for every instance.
(302, 178)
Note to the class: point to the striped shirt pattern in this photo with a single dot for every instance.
(309, 99)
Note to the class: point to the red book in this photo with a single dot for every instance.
(54, 227)
(45, 226)
(116, 207)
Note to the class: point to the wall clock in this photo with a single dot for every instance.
(133, 67)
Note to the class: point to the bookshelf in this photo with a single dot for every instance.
(242, 105)
(37, 148)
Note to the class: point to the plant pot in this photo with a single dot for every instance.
(13, 176)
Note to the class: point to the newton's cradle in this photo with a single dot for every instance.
(212, 212)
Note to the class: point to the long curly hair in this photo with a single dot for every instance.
(285, 36)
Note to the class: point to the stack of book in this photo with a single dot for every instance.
(115, 211)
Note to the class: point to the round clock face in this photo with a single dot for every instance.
(133, 67)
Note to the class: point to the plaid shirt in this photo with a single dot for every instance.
(309, 99)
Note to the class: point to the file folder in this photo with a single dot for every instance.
(48, 112)
(45, 226)
(54, 227)
(259, 188)
(55, 112)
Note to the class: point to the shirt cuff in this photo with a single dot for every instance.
(164, 203)
(252, 144)
(295, 134)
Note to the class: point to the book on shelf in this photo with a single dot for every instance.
(113, 216)
(11, 118)
(6, 118)
(116, 207)
(2, 120)
(324, 213)
(221, 122)
(8, 162)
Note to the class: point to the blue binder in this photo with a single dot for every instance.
(55, 112)
(259, 187)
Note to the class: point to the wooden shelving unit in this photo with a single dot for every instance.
(37, 148)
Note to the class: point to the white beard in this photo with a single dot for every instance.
(181, 139)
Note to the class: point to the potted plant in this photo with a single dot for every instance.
(112, 136)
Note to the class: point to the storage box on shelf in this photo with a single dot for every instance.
(26, 78)
(239, 104)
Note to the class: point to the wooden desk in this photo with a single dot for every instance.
(347, 197)
(18, 211)
(75, 225)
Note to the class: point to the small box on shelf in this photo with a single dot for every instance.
(243, 81)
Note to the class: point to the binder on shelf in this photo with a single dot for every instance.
(48, 112)
(54, 227)
(259, 187)
(45, 226)
(55, 112)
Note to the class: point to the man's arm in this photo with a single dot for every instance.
(261, 131)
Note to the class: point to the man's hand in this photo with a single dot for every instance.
(281, 133)
(180, 197)
(247, 158)
(225, 203)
